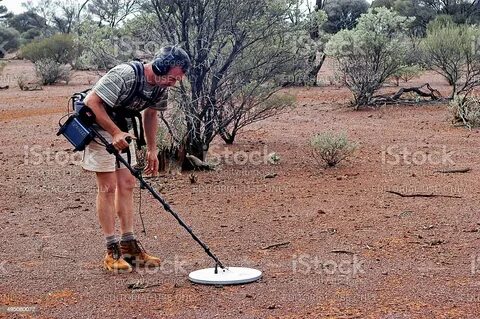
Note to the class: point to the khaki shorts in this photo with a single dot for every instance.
(97, 159)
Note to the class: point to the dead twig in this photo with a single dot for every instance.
(276, 245)
(422, 195)
(69, 207)
(339, 251)
(458, 170)
(63, 257)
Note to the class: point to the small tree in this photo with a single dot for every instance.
(102, 47)
(343, 14)
(371, 53)
(407, 73)
(453, 51)
(9, 40)
(224, 39)
(59, 48)
(4, 14)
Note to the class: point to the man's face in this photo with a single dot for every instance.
(173, 76)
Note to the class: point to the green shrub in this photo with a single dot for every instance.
(50, 71)
(9, 40)
(407, 73)
(451, 50)
(371, 53)
(466, 110)
(330, 149)
(59, 48)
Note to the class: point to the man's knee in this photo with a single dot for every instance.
(126, 183)
(106, 183)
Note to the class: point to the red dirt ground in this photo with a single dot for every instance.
(353, 250)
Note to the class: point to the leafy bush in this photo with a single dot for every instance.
(407, 73)
(371, 53)
(9, 40)
(330, 149)
(102, 47)
(466, 110)
(450, 51)
(50, 71)
(59, 48)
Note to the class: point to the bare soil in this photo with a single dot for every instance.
(350, 249)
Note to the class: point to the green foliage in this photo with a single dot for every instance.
(50, 71)
(59, 48)
(343, 14)
(407, 73)
(440, 22)
(371, 53)
(4, 14)
(26, 21)
(9, 40)
(454, 52)
(423, 14)
(466, 110)
(329, 149)
(103, 47)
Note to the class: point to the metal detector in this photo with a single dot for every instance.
(208, 276)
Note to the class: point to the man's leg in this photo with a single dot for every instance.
(106, 186)
(125, 183)
(132, 251)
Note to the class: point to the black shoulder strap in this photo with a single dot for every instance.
(137, 89)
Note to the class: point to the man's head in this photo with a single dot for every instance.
(170, 65)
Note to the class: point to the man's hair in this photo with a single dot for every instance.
(169, 57)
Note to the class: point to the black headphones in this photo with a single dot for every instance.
(169, 57)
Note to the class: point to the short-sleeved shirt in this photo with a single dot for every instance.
(114, 87)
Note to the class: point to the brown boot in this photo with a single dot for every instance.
(114, 261)
(135, 254)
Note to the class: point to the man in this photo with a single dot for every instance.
(115, 183)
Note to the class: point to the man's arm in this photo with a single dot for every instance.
(95, 103)
(150, 125)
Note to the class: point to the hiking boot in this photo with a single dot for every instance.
(114, 261)
(134, 253)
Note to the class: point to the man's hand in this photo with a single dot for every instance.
(119, 140)
(152, 162)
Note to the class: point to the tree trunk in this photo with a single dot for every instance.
(194, 144)
(313, 74)
(227, 137)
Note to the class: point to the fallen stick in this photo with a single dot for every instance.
(64, 257)
(342, 252)
(276, 245)
(458, 170)
(422, 195)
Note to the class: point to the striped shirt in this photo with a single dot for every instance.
(113, 88)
